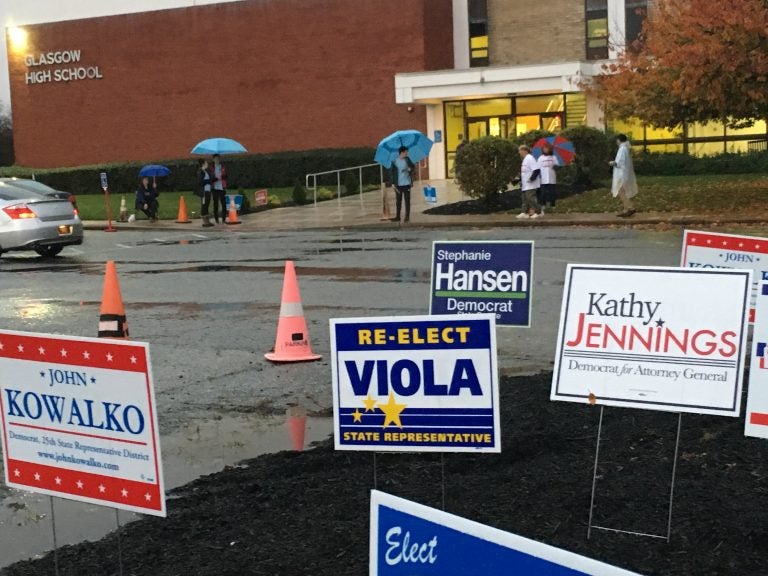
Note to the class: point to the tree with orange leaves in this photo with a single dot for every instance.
(696, 61)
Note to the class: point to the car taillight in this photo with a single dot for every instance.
(19, 211)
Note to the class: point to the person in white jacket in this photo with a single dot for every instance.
(624, 185)
(547, 163)
(530, 181)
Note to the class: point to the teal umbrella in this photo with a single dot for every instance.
(418, 147)
(219, 146)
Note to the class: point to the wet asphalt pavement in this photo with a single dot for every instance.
(208, 302)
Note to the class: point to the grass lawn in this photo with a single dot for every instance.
(706, 193)
(93, 207)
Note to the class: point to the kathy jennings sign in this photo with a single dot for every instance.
(649, 337)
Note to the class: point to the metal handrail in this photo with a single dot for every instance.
(338, 179)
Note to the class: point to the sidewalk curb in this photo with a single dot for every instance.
(555, 221)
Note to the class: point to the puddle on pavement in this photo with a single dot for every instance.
(195, 450)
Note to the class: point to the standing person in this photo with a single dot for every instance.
(624, 182)
(146, 199)
(402, 181)
(547, 163)
(219, 174)
(530, 181)
(204, 180)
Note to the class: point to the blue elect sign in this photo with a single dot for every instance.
(408, 539)
(483, 277)
(103, 177)
(417, 383)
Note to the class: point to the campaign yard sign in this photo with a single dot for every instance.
(79, 420)
(409, 539)
(416, 384)
(657, 338)
(708, 250)
(483, 277)
(757, 396)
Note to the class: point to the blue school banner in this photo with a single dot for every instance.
(416, 383)
(483, 277)
(408, 539)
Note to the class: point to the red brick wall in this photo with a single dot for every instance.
(274, 74)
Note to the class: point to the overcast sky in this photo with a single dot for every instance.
(20, 12)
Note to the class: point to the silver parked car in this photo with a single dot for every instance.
(30, 220)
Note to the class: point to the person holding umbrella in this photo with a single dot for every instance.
(204, 180)
(402, 181)
(146, 198)
(547, 163)
(219, 177)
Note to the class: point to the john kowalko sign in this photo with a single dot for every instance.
(58, 66)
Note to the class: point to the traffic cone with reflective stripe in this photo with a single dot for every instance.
(123, 209)
(297, 427)
(292, 342)
(112, 321)
(232, 216)
(182, 217)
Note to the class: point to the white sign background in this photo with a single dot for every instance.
(727, 251)
(756, 423)
(56, 397)
(590, 365)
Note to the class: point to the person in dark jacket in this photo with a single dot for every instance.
(219, 189)
(402, 180)
(146, 199)
(204, 181)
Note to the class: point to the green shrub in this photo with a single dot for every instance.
(273, 200)
(594, 149)
(249, 171)
(684, 164)
(326, 194)
(486, 165)
(299, 193)
(531, 137)
(351, 183)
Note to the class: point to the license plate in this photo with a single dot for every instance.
(65, 230)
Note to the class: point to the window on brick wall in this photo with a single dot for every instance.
(597, 29)
(635, 13)
(478, 33)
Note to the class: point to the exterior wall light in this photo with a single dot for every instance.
(17, 38)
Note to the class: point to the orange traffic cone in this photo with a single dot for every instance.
(232, 216)
(292, 342)
(112, 322)
(182, 217)
(297, 427)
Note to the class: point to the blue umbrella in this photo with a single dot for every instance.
(154, 170)
(418, 147)
(219, 146)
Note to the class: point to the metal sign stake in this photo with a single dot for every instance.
(668, 535)
(55, 541)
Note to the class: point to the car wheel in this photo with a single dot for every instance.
(49, 251)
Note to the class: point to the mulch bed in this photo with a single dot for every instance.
(307, 513)
(503, 202)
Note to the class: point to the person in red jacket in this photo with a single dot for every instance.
(219, 174)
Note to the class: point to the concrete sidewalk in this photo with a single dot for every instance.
(365, 211)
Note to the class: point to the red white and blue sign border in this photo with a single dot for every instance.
(142, 497)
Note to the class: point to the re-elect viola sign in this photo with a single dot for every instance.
(709, 250)
(409, 539)
(79, 421)
(416, 383)
(483, 277)
(656, 338)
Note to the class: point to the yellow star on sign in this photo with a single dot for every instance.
(357, 416)
(370, 404)
(392, 411)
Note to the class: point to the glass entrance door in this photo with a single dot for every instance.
(477, 129)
